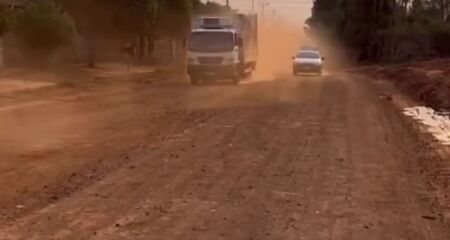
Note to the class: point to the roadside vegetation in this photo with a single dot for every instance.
(6, 20)
(384, 30)
(128, 20)
(393, 36)
(43, 27)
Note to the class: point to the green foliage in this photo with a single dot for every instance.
(41, 26)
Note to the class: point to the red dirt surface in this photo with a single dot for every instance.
(427, 81)
(294, 158)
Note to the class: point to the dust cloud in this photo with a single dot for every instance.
(278, 42)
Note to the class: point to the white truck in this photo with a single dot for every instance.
(223, 47)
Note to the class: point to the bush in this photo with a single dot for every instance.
(42, 27)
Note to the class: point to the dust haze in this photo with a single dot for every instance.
(279, 41)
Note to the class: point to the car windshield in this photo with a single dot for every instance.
(308, 54)
(211, 42)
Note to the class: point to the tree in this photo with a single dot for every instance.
(42, 27)
(210, 8)
(120, 20)
(6, 20)
(378, 29)
(174, 17)
(417, 7)
(128, 20)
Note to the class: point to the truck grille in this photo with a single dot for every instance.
(210, 60)
(307, 65)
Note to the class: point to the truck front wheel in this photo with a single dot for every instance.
(319, 73)
(194, 80)
(236, 80)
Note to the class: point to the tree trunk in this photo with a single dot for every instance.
(90, 53)
(141, 42)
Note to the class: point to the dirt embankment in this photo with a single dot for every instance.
(427, 81)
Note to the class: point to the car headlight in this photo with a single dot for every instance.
(191, 60)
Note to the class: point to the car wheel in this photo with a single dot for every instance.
(235, 80)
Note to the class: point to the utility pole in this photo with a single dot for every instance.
(228, 3)
(253, 6)
(263, 8)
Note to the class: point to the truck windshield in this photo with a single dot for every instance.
(211, 42)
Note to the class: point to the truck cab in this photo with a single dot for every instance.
(215, 50)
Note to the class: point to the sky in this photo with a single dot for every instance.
(294, 11)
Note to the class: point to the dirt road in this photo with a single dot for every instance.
(296, 158)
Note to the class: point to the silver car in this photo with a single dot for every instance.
(307, 61)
